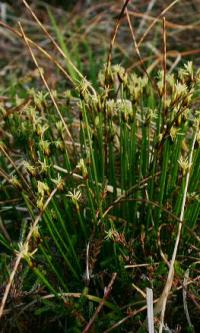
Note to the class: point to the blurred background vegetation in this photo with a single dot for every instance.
(86, 27)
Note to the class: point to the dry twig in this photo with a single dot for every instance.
(99, 308)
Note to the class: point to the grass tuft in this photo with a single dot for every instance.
(99, 194)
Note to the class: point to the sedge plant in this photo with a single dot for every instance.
(93, 183)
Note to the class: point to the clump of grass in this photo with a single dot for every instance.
(106, 200)
(100, 190)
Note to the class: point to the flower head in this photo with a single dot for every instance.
(74, 196)
(184, 165)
